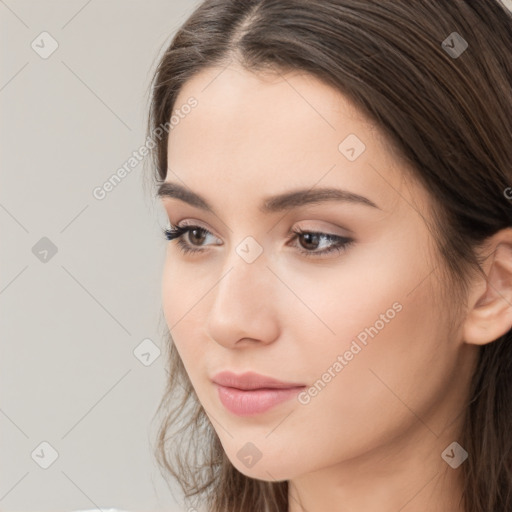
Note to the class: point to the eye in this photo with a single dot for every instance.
(311, 238)
(177, 233)
(339, 243)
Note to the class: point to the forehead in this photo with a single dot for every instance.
(267, 133)
(246, 107)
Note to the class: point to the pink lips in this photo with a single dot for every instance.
(251, 393)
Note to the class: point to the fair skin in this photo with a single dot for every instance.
(372, 438)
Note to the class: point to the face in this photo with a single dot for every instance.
(361, 327)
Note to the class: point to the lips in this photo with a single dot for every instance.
(249, 394)
(252, 380)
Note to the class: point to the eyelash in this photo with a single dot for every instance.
(342, 243)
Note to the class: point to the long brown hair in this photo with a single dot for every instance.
(447, 116)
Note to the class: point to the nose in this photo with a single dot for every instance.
(244, 310)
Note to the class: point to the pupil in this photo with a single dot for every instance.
(195, 231)
(308, 237)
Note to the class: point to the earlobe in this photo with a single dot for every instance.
(490, 313)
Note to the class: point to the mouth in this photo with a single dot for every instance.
(251, 380)
(251, 393)
(255, 401)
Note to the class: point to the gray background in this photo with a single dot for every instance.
(70, 321)
(69, 325)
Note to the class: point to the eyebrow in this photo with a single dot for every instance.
(274, 204)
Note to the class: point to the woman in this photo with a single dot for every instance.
(337, 287)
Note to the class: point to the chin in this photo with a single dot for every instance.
(266, 470)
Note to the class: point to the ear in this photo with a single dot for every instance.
(490, 300)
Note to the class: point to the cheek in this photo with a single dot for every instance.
(375, 349)
(390, 356)
(181, 303)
